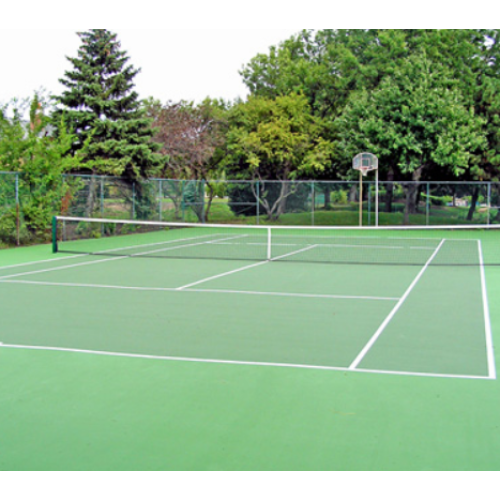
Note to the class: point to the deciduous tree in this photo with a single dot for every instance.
(192, 141)
(277, 139)
(417, 123)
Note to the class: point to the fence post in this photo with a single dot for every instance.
(489, 203)
(160, 200)
(370, 204)
(203, 207)
(133, 201)
(313, 203)
(183, 202)
(18, 213)
(258, 202)
(102, 196)
(428, 205)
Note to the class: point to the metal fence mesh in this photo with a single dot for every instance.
(313, 203)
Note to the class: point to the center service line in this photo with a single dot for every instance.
(241, 269)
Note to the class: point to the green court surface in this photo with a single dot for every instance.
(109, 362)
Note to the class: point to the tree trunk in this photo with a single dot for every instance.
(281, 203)
(390, 192)
(210, 199)
(353, 194)
(174, 191)
(473, 205)
(328, 197)
(91, 196)
(412, 192)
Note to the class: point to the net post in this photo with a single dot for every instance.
(54, 235)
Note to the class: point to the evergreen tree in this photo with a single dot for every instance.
(99, 105)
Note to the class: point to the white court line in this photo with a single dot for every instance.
(31, 273)
(389, 318)
(487, 320)
(86, 254)
(332, 245)
(197, 290)
(310, 247)
(32, 263)
(235, 363)
(61, 268)
(212, 278)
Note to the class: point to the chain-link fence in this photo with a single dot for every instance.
(314, 203)
(14, 194)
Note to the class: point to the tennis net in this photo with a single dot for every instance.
(454, 245)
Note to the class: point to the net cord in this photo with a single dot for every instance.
(271, 228)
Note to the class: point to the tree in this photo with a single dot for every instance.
(192, 141)
(328, 66)
(113, 135)
(278, 140)
(417, 123)
(41, 159)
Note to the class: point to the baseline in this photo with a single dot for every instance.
(487, 319)
(237, 363)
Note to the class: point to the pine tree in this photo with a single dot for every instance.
(101, 108)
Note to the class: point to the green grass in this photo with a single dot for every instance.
(340, 215)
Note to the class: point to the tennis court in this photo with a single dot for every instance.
(295, 322)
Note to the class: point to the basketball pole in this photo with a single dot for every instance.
(364, 163)
(360, 198)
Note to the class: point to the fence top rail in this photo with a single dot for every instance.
(333, 182)
(316, 182)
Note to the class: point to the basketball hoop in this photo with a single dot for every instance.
(365, 163)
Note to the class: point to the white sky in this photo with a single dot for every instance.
(175, 64)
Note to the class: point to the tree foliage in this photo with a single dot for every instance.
(426, 101)
(190, 137)
(332, 67)
(100, 106)
(416, 122)
(29, 148)
(192, 140)
(276, 139)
